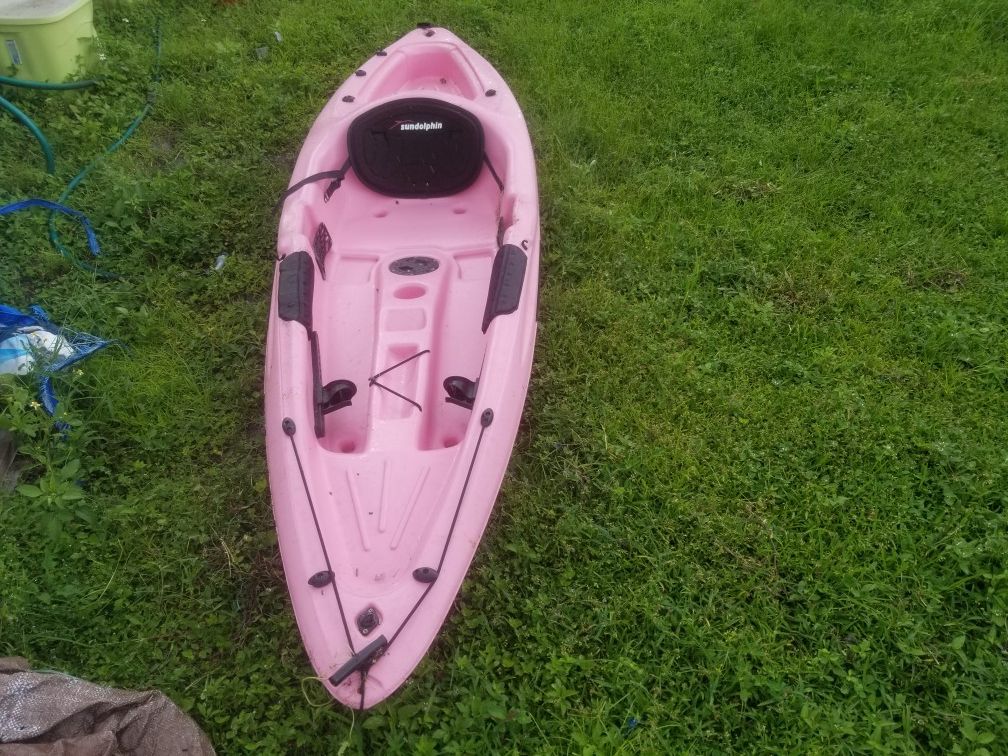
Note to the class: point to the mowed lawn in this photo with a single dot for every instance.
(758, 500)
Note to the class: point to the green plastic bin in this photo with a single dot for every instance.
(46, 40)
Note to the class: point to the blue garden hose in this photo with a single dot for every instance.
(50, 156)
(54, 236)
(55, 207)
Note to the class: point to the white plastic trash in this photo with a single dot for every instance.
(19, 353)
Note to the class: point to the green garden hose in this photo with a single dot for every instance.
(54, 236)
(28, 84)
(29, 124)
(50, 156)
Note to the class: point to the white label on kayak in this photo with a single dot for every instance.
(12, 50)
(422, 126)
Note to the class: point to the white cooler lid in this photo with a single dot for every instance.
(38, 10)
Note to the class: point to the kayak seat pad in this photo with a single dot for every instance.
(416, 147)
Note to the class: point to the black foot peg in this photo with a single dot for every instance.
(461, 391)
(335, 395)
(330, 396)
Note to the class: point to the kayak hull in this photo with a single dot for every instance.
(417, 316)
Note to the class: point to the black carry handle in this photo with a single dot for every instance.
(362, 660)
(337, 177)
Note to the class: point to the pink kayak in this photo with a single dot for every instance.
(399, 351)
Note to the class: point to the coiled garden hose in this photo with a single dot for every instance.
(29, 124)
(54, 237)
(50, 156)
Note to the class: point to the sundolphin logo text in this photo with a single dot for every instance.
(422, 126)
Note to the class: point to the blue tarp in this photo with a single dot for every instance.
(30, 342)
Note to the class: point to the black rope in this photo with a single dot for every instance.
(485, 419)
(318, 529)
(337, 176)
(500, 184)
(401, 396)
(373, 380)
(403, 362)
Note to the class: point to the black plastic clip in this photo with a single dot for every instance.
(331, 189)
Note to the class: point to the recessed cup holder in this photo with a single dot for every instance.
(410, 291)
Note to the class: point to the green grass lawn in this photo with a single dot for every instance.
(758, 501)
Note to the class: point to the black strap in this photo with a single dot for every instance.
(336, 176)
(500, 184)
(373, 380)
(289, 430)
(486, 418)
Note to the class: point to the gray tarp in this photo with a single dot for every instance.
(49, 714)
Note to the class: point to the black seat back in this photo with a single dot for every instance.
(416, 148)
